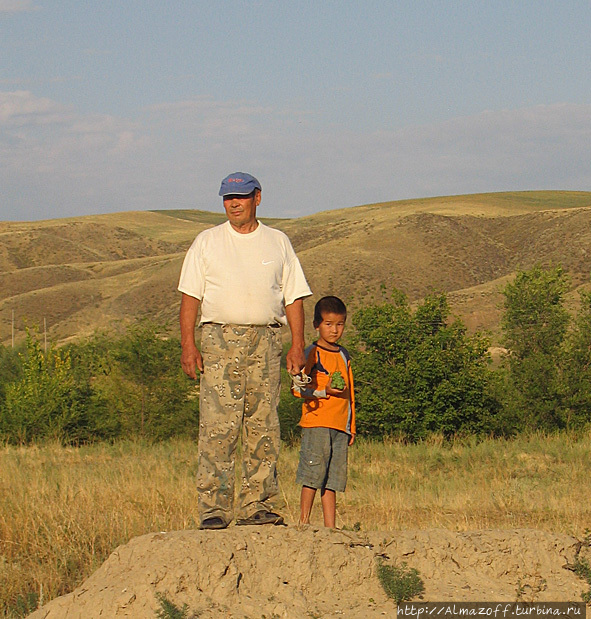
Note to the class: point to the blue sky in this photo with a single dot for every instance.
(133, 105)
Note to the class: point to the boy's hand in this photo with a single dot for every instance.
(337, 393)
(351, 440)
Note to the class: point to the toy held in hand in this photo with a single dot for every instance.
(337, 381)
(301, 380)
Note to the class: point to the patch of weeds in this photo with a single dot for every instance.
(519, 591)
(581, 566)
(356, 527)
(582, 569)
(169, 610)
(533, 589)
(24, 605)
(402, 583)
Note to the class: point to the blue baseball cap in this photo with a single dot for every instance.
(240, 184)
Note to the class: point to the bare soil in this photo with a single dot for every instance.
(294, 572)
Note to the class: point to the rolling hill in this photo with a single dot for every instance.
(84, 274)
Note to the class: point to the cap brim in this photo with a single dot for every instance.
(236, 193)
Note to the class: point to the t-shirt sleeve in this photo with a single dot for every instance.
(191, 281)
(294, 281)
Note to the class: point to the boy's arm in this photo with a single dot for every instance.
(302, 385)
(352, 402)
(303, 389)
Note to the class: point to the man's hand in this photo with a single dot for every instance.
(190, 360)
(190, 357)
(351, 440)
(296, 360)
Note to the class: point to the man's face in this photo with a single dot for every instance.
(241, 210)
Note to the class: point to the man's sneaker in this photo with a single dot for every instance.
(261, 517)
(215, 522)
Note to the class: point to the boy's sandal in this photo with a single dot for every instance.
(261, 517)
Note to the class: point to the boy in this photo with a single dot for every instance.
(328, 413)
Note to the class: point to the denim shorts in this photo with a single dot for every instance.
(323, 459)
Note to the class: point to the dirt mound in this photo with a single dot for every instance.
(247, 572)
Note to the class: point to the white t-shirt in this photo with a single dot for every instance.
(244, 279)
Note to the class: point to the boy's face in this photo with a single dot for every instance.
(331, 328)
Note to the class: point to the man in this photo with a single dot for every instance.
(248, 282)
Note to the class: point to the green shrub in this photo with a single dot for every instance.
(576, 369)
(401, 583)
(582, 569)
(289, 409)
(46, 402)
(535, 325)
(139, 388)
(416, 373)
(106, 387)
(169, 610)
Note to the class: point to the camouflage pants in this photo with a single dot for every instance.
(239, 394)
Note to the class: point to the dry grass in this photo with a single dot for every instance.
(64, 510)
(538, 482)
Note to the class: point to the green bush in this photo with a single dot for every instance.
(46, 402)
(289, 409)
(535, 325)
(416, 373)
(576, 369)
(138, 387)
(11, 368)
(104, 388)
(401, 583)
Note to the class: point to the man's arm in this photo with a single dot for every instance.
(296, 359)
(190, 356)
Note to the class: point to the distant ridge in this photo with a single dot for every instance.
(98, 272)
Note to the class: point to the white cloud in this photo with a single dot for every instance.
(21, 108)
(17, 6)
(56, 161)
(545, 146)
(208, 117)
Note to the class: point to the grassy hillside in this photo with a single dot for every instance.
(97, 272)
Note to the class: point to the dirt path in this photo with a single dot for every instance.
(256, 572)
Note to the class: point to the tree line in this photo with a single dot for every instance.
(417, 372)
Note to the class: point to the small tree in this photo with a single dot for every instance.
(416, 374)
(576, 368)
(10, 369)
(145, 385)
(46, 402)
(535, 324)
